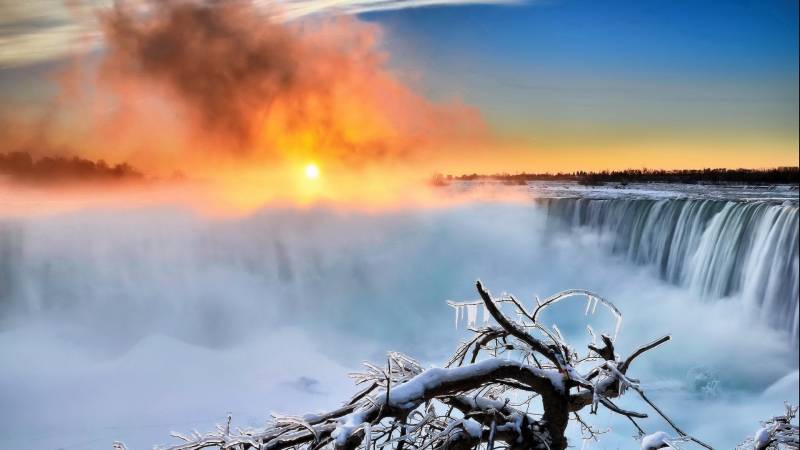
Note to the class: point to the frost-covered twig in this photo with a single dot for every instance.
(514, 385)
(778, 433)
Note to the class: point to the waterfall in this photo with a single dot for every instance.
(152, 266)
(717, 248)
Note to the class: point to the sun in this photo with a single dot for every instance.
(312, 171)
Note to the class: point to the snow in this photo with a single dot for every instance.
(654, 441)
(410, 394)
(472, 427)
(347, 425)
(761, 437)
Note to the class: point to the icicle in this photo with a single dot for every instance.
(486, 314)
(558, 333)
(367, 435)
(458, 310)
(472, 315)
(591, 304)
(616, 328)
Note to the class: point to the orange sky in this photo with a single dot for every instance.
(233, 98)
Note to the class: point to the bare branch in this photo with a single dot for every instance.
(465, 406)
(513, 329)
(624, 366)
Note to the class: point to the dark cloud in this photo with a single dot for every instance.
(220, 67)
(253, 84)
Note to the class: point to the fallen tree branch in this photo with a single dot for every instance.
(464, 406)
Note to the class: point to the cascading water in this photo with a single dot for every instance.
(718, 248)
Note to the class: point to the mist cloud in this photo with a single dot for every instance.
(233, 92)
(147, 309)
(241, 82)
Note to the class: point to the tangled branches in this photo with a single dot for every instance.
(516, 384)
(777, 433)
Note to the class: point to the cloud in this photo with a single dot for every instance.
(294, 9)
(193, 87)
(228, 93)
(35, 32)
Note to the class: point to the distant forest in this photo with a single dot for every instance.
(778, 175)
(22, 167)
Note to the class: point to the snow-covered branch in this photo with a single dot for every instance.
(778, 433)
(515, 384)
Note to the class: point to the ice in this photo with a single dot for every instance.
(472, 315)
(367, 435)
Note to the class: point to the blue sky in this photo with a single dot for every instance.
(600, 67)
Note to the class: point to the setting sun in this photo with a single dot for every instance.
(312, 171)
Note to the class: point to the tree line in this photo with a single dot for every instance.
(22, 167)
(776, 175)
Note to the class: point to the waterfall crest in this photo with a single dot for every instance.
(718, 248)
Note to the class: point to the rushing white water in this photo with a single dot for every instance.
(718, 248)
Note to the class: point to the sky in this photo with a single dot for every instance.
(659, 83)
(555, 85)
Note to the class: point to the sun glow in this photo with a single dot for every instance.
(312, 171)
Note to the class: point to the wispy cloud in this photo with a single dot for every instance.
(293, 9)
(34, 32)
